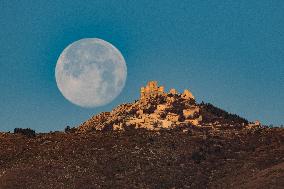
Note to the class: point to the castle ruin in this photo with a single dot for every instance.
(152, 89)
(163, 110)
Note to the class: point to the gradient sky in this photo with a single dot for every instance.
(229, 53)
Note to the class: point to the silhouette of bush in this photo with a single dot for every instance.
(26, 132)
(68, 129)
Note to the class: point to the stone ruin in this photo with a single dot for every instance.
(152, 89)
(163, 114)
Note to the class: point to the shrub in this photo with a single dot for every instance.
(69, 129)
(26, 132)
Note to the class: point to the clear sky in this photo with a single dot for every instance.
(229, 53)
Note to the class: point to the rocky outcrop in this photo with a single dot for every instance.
(157, 110)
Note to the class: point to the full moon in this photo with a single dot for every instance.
(90, 72)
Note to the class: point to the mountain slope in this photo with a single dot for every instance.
(162, 140)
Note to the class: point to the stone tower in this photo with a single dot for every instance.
(151, 89)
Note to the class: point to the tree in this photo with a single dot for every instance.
(26, 132)
(67, 129)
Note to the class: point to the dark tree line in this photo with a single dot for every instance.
(209, 108)
(26, 132)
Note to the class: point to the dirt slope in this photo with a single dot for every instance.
(197, 158)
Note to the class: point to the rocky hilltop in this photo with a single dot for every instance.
(157, 109)
(181, 144)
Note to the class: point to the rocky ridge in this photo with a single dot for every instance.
(156, 110)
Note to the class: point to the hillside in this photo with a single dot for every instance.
(157, 109)
(162, 140)
(196, 158)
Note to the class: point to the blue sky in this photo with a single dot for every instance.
(229, 53)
